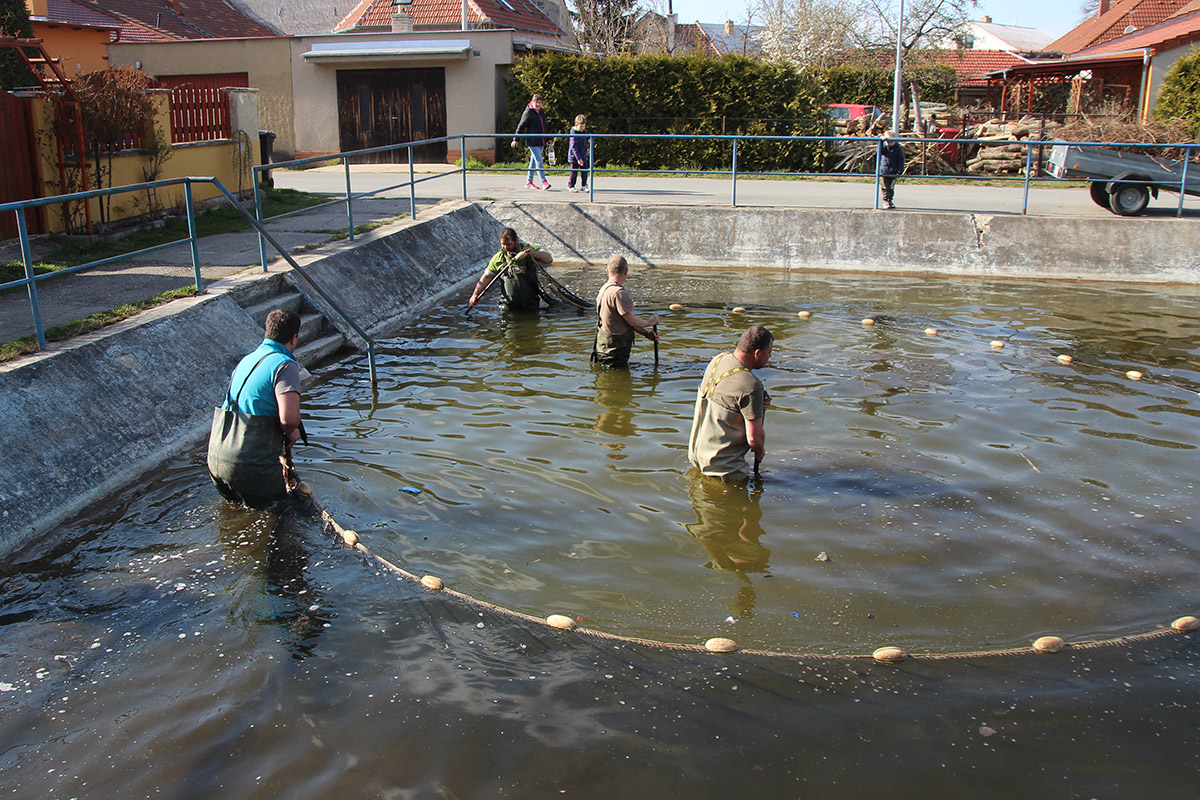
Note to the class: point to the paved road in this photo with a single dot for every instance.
(76, 296)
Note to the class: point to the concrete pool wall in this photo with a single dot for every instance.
(1164, 250)
(87, 418)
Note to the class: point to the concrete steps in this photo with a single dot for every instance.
(319, 340)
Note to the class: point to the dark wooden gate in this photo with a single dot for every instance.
(379, 107)
(18, 176)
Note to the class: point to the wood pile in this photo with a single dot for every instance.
(933, 116)
(1005, 157)
(860, 126)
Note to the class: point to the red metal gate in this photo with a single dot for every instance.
(18, 177)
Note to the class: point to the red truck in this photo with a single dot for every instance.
(854, 111)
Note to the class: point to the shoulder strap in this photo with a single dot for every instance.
(711, 386)
(230, 398)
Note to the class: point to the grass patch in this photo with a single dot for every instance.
(208, 223)
(28, 344)
(329, 162)
(367, 227)
(624, 171)
(15, 271)
(473, 164)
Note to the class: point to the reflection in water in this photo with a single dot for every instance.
(728, 526)
(614, 393)
(271, 552)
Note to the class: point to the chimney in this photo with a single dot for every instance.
(986, 19)
(1103, 8)
(729, 27)
(38, 8)
(402, 22)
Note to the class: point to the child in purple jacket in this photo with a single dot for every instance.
(577, 155)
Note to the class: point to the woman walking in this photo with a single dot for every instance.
(533, 122)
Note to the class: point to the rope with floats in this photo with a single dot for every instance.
(890, 654)
(562, 622)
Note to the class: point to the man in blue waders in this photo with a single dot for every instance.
(253, 430)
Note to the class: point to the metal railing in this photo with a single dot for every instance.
(734, 171)
(31, 280)
(1026, 177)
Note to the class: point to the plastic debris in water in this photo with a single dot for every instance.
(410, 489)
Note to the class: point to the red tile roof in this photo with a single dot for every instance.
(155, 20)
(137, 32)
(970, 66)
(692, 39)
(524, 15)
(70, 12)
(1121, 14)
(1174, 32)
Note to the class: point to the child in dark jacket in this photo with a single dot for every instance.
(577, 155)
(891, 166)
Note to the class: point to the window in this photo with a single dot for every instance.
(364, 108)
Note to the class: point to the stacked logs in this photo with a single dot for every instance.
(1005, 157)
(860, 126)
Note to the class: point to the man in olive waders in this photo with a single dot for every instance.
(616, 322)
(730, 405)
(253, 430)
(515, 265)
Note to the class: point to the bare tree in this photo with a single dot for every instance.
(926, 22)
(604, 26)
(807, 33)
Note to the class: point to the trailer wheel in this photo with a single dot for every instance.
(1100, 195)
(1130, 199)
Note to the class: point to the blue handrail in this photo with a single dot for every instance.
(31, 280)
(735, 172)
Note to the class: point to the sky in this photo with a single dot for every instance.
(1055, 17)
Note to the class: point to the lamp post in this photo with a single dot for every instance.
(897, 89)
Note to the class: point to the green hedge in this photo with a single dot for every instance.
(701, 95)
(731, 95)
(874, 85)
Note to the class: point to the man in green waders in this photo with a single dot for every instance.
(616, 322)
(253, 430)
(515, 265)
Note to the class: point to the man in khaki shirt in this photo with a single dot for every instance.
(730, 406)
(617, 323)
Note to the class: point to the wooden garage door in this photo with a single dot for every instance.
(379, 107)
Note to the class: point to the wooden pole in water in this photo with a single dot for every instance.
(655, 329)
